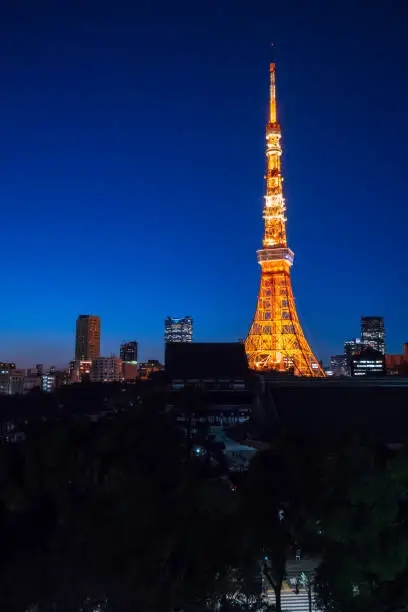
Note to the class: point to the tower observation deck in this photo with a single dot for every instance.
(276, 340)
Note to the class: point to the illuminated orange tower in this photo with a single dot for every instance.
(276, 340)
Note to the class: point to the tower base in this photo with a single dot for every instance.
(276, 340)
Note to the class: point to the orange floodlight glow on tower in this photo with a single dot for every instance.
(276, 340)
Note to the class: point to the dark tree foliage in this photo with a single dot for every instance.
(363, 527)
(277, 503)
(110, 512)
(119, 514)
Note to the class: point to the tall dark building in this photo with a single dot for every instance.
(128, 352)
(338, 365)
(373, 333)
(178, 330)
(88, 338)
(351, 348)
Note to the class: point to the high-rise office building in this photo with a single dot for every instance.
(128, 352)
(128, 355)
(178, 330)
(373, 333)
(88, 338)
(351, 348)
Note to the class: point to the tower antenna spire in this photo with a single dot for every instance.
(272, 88)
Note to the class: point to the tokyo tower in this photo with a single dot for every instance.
(276, 340)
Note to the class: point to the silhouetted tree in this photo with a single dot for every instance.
(362, 522)
(111, 512)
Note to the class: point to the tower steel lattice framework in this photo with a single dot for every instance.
(276, 340)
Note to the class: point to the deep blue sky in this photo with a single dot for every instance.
(132, 161)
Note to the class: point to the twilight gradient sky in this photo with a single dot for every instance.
(132, 159)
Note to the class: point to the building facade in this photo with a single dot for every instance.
(178, 330)
(128, 352)
(88, 338)
(368, 362)
(373, 333)
(397, 364)
(151, 366)
(6, 369)
(79, 370)
(32, 382)
(351, 347)
(39, 369)
(16, 381)
(338, 365)
(207, 388)
(130, 371)
(393, 362)
(48, 382)
(106, 369)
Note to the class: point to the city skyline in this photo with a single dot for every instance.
(75, 144)
(132, 347)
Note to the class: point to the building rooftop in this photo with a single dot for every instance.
(206, 360)
(373, 408)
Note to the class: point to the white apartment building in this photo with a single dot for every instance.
(106, 369)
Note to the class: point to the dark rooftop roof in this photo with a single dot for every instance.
(201, 360)
(376, 411)
(219, 397)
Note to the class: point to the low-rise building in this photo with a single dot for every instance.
(146, 368)
(48, 382)
(368, 362)
(5, 370)
(210, 389)
(106, 369)
(79, 370)
(32, 382)
(16, 382)
(397, 364)
(130, 371)
(338, 365)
